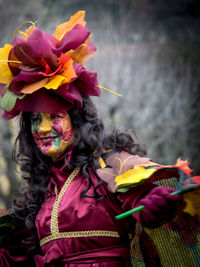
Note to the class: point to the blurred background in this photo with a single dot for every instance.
(148, 51)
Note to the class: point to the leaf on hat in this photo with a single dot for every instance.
(62, 29)
(55, 82)
(5, 72)
(192, 200)
(32, 87)
(9, 99)
(82, 53)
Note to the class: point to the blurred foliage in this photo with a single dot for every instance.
(148, 50)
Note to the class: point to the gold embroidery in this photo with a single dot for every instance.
(54, 216)
(55, 234)
(97, 233)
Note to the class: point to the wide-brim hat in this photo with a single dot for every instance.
(40, 72)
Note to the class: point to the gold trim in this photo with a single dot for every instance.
(55, 234)
(97, 233)
(54, 215)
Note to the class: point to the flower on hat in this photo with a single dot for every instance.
(40, 72)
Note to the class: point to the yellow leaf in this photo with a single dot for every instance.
(102, 163)
(33, 87)
(192, 200)
(82, 53)
(6, 75)
(28, 32)
(55, 82)
(62, 29)
(68, 70)
(134, 176)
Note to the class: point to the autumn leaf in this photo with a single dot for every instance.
(6, 75)
(62, 29)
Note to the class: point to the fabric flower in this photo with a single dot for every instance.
(40, 72)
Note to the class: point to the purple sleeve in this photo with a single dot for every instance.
(159, 204)
(129, 200)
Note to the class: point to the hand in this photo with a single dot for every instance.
(159, 207)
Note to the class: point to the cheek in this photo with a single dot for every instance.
(66, 122)
(57, 126)
(68, 135)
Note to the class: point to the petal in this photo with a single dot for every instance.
(10, 115)
(26, 55)
(70, 93)
(68, 71)
(62, 29)
(28, 76)
(13, 65)
(31, 88)
(28, 32)
(31, 51)
(5, 72)
(19, 81)
(86, 82)
(55, 82)
(77, 36)
(83, 52)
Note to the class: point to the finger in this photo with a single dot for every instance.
(151, 206)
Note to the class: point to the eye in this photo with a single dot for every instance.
(36, 118)
(56, 116)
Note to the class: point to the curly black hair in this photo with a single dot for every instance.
(90, 141)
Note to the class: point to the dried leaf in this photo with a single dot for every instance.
(9, 99)
(192, 200)
(6, 75)
(82, 53)
(55, 82)
(62, 29)
(28, 32)
(32, 87)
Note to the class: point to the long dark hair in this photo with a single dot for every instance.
(90, 140)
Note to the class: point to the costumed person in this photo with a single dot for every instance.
(78, 178)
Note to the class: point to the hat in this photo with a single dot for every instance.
(40, 72)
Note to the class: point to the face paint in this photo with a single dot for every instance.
(52, 133)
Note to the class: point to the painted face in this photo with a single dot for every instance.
(52, 133)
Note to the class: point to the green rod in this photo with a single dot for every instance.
(130, 212)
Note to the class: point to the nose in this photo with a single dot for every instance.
(46, 124)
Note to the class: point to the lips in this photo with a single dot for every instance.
(48, 138)
(45, 138)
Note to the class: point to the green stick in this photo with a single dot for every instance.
(130, 212)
